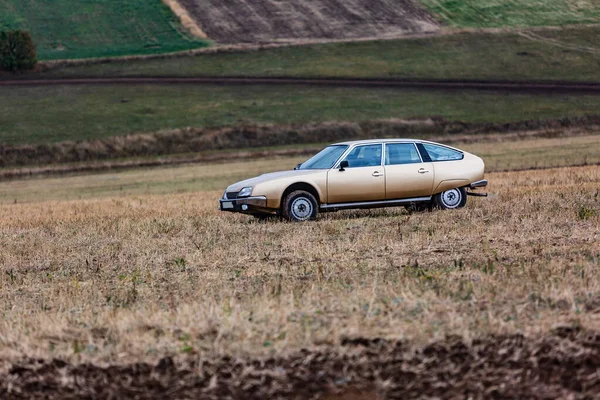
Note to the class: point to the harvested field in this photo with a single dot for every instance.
(252, 21)
(145, 276)
(160, 295)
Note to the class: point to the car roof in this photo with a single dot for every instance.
(368, 141)
(392, 140)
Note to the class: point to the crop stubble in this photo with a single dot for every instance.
(142, 277)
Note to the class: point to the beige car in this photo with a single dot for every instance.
(362, 174)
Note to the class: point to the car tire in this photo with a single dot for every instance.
(451, 199)
(299, 206)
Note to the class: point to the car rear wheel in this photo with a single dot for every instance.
(451, 199)
(299, 206)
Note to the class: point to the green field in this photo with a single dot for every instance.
(97, 28)
(553, 54)
(58, 113)
(514, 13)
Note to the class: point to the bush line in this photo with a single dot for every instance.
(194, 140)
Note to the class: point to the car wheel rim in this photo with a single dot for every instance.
(451, 198)
(302, 208)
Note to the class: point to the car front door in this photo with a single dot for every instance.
(362, 180)
(406, 175)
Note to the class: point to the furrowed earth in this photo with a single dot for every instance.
(251, 21)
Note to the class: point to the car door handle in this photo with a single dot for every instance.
(377, 174)
(423, 171)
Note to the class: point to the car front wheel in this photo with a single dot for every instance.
(299, 206)
(451, 199)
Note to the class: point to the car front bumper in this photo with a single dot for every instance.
(248, 205)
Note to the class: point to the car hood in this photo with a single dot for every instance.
(236, 187)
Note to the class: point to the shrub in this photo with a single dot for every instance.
(586, 213)
(17, 51)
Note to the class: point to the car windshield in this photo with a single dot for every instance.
(325, 159)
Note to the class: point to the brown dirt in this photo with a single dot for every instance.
(194, 140)
(562, 364)
(265, 21)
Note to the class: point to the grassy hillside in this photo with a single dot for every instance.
(52, 114)
(96, 28)
(514, 13)
(551, 54)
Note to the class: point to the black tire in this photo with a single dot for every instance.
(451, 199)
(299, 206)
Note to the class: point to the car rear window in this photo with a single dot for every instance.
(442, 153)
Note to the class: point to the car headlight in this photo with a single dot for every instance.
(245, 192)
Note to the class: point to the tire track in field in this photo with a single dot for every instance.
(419, 84)
(553, 42)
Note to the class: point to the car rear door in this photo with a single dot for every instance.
(406, 175)
(362, 180)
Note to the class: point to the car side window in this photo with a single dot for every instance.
(364, 156)
(401, 153)
(441, 153)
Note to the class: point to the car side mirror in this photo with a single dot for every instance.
(343, 165)
(297, 167)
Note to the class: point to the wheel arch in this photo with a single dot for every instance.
(450, 184)
(307, 187)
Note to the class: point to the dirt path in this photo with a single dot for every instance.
(553, 42)
(186, 19)
(514, 86)
(562, 364)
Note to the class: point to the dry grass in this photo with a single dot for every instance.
(143, 276)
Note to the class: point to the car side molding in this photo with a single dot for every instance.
(375, 203)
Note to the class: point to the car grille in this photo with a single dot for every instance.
(232, 195)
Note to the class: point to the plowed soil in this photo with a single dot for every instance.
(264, 21)
(561, 365)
